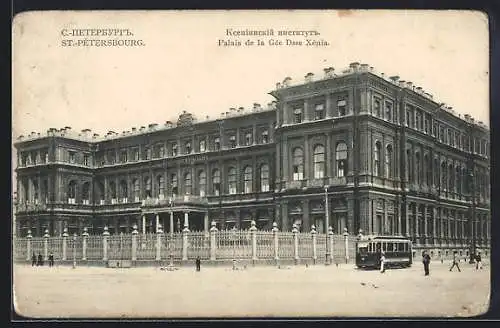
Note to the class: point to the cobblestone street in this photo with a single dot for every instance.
(295, 291)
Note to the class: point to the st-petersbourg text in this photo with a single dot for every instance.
(270, 32)
(102, 43)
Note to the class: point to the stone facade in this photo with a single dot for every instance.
(389, 159)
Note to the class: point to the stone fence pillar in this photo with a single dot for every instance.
(65, 244)
(346, 241)
(85, 236)
(28, 245)
(276, 245)
(253, 234)
(159, 236)
(213, 244)
(185, 233)
(314, 239)
(46, 245)
(105, 236)
(330, 235)
(295, 232)
(134, 242)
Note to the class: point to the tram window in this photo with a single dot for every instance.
(378, 247)
(460, 253)
(432, 253)
(395, 246)
(389, 247)
(370, 247)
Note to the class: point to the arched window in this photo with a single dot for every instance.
(173, 183)
(248, 139)
(418, 165)
(341, 159)
(100, 192)
(298, 164)
(217, 143)
(248, 179)
(202, 183)
(202, 146)
(216, 182)
(377, 169)
(319, 161)
(36, 191)
(232, 141)
(174, 149)
(123, 191)
(451, 178)
(160, 184)
(137, 190)
(458, 180)
(264, 177)
(232, 178)
(428, 170)
(388, 161)
(86, 193)
(148, 193)
(187, 147)
(187, 184)
(112, 192)
(297, 112)
(443, 176)
(376, 107)
(72, 192)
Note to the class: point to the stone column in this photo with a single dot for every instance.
(105, 236)
(426, 230)
(205, 222)
(314, 239)
(346, 241)
(186, 219)
(253, 234)
(28, 245)
(213, 245)
(185, 233)
(157, 226)
(407, 219)
(134, 242)
(295, 232)
(144, 223)
(159, 236)
(65, 244)
(46, 245)
(275, 239)
(328, 105)
(85, 236)
(330, 235)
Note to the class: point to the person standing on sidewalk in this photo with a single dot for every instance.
(382, 262)
(479, 265)
(455, 262)
(198, 264)
(426, 259)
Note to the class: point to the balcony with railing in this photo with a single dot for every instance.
(175, 200)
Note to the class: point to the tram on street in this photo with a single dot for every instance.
(397, 250)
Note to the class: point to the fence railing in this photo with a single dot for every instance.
(234, 244)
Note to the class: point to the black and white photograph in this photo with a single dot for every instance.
(251, 164)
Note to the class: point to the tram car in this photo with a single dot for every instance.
(397, 249)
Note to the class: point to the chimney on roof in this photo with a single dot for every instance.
(329, 72)
(419, 90)
(354, 66)
(95, 135)
(394, 79)
(67, 128)
(256, 106)
(134, 129)
(364, 67)
(287, 81)
(207, 117)
(409, 85)
(382, 75)
(278, 85)
(152, 126)
(401, 83)
(309, 77)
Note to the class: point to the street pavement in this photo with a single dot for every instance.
(288, 291)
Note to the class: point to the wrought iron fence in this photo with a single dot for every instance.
(146, 248)
(94, 247)
(265, 244)
(285, 245)
(198, 245)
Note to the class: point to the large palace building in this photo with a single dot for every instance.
(389, 159)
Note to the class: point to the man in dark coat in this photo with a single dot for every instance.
(198, 264)
(33, 259)
(426, 259)
(479, 265)
(40, 260)
(51, 259)
(455, 262)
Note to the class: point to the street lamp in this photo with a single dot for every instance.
(234, 247)
(327, 219)
(472, 229)
(74, 250)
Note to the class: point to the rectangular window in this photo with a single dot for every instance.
(319, 112)
(376, 107)
(124, 156)
(135, 153)
(265, 137)
(72, 157)
(232, 141)
(174, 149)
(86, 159)
(297, 115)
(342, 107)
(388, 111)
(202, 146)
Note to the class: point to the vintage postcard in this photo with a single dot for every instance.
(250, 164)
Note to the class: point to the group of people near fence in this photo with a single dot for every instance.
(38, 260)
(426, 260)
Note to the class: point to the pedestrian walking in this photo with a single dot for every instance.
(455, 262)
(51, 259)
(426, 259)
(40, 260)
(198, 264)
(382, 262)
(33, 259)
(479, 265)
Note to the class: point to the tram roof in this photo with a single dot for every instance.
(384, 238)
